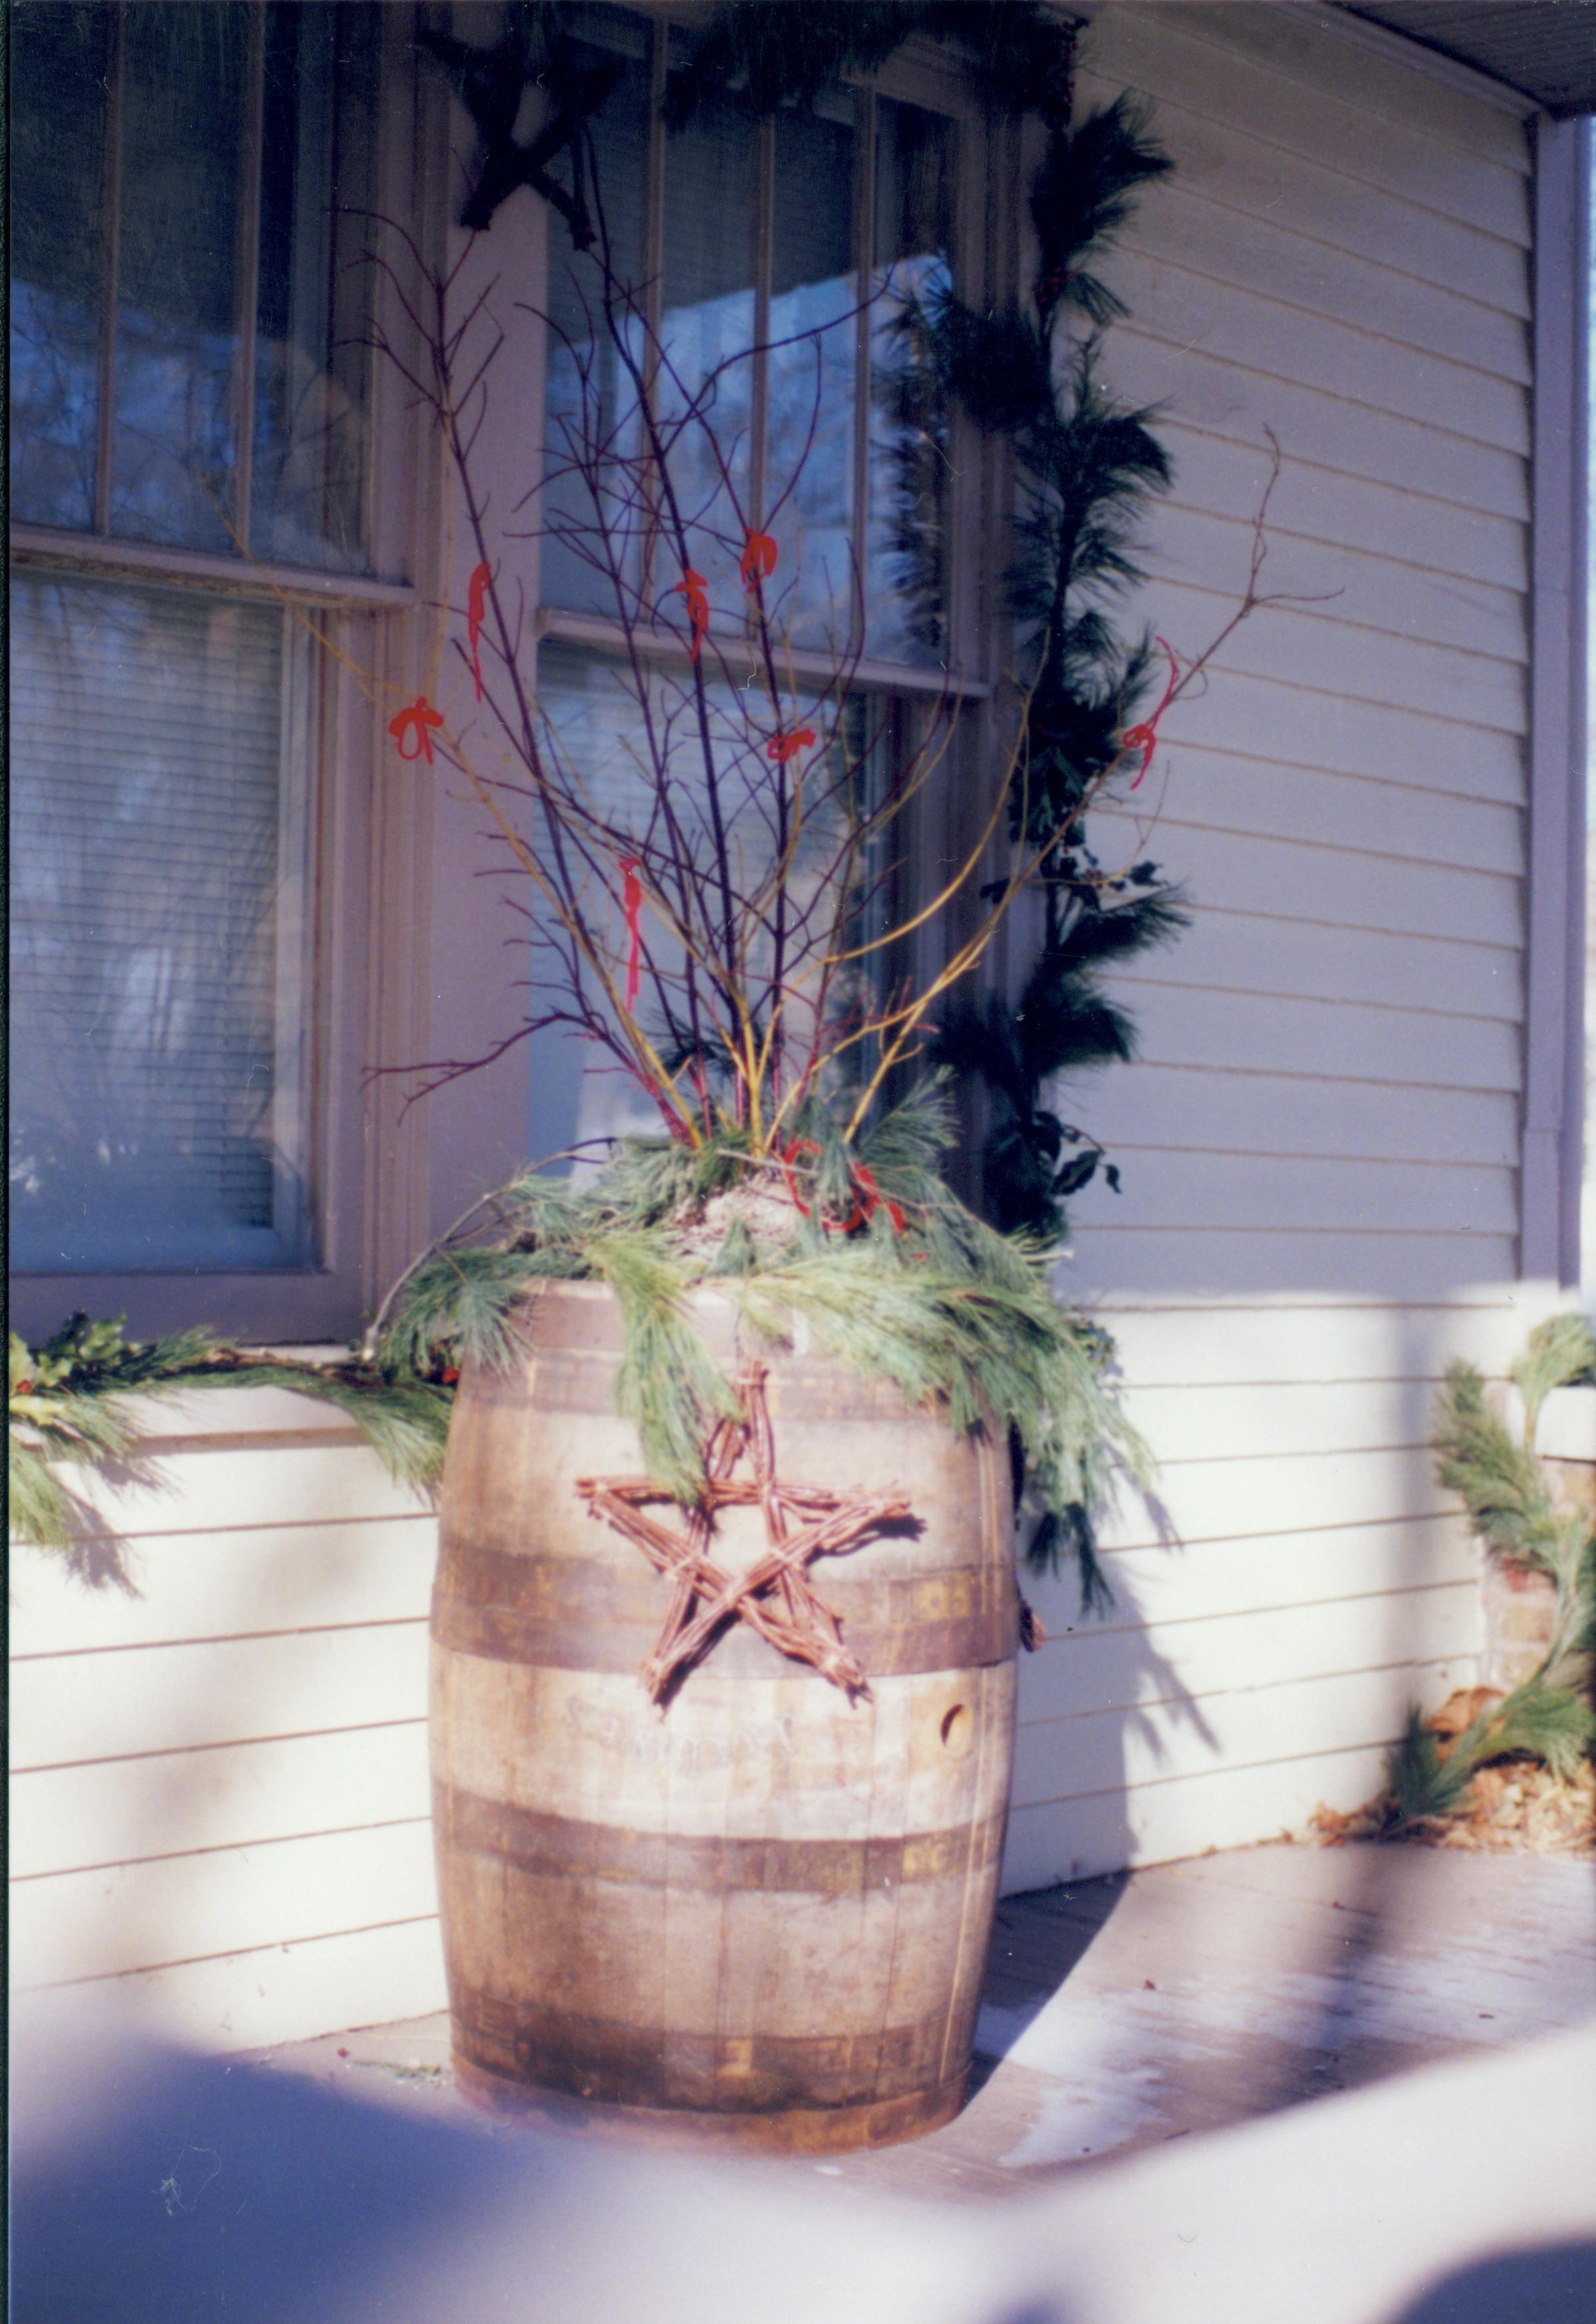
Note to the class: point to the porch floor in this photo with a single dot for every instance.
(1128, 2012)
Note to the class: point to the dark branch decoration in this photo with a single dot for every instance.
(533, 52)
(787, 54)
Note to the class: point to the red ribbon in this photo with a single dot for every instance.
(416, 721)
(759, 560)
(869, 1197)
(783, 747)
(692, 587)
(632, 903)
(1144, 737)
(476, 596)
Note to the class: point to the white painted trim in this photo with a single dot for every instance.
(1553, 1060)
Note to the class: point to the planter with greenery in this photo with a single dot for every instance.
(725, 1622)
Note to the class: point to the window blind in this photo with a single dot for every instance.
(155, 990)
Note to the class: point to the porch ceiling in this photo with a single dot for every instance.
(1547, 49)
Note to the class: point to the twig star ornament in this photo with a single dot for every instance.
(774, 1595)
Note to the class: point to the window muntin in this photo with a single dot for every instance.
(764, 234)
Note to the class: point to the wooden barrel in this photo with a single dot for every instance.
(764, 1910)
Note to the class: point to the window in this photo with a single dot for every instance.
(800, 238)
(190, 417)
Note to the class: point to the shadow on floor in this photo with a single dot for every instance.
(1554, 2285)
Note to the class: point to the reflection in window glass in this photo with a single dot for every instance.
(706, 322)
(317, 185)
(60, 58)
(149, 120)
(810, 429)
(589, 390)
(906, 548)
(157, 882)
(597, 728)
(174, 451)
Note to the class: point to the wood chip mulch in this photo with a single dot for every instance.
(1511, 1805)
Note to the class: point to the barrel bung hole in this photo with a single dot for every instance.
(955, 1729)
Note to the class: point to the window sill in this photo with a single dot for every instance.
(601, 636)
(76, 552)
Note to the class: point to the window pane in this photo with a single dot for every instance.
(157, 880)
(907, 547)
(708, 322)
(813, 331)
(58, 61)
(590, 393)
(306, 504)
(174, 458)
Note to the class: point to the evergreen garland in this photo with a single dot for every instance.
(920, 1292)
(70, 1405)
(1087, 469)
(1513, 1515)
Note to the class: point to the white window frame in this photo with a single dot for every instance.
(365, 934)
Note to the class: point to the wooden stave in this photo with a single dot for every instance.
(797, 2090)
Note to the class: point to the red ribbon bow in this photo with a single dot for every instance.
(1144, 737)
(692, 587)
(476, 597)
(759, 560)
(783, 747)
(631, 904)
(416, 721)
(868, 1196)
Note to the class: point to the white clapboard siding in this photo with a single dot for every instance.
(184, 1698)
(218, 1796)
(1319, 1145)
(1187, 308)
(1312, 424)
(1222, 1262)
(269, 1578)
(1123, 1749)
(1187, 1025)
(74, 1818)
(1183, 228)
(1300, 44)
(1320, 961)
(1181, 1815)
(372, 1973)
(1309, 195)
(1458, 549)
(1093, 1670)
(1262, 91)
(127, 1916)
(1356, 885)
(1268, 1113)
(1202, 1420)
(1236, 792)
(1304, 647)
(1339, 584)
(1171, 1343)
(1345, 733)
(1265, 1192)
(1320, 1567)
